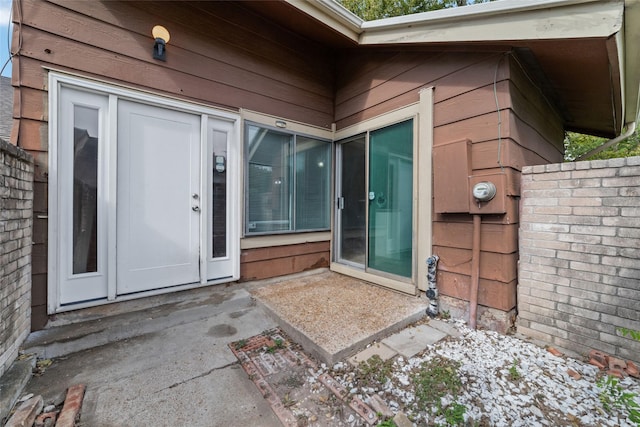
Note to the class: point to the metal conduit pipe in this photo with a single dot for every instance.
(475, 272)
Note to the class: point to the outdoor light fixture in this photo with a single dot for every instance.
(161, 36)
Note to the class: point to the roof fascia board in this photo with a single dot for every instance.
(332, 14)
(512, 21)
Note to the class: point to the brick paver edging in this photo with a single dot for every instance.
(72, 406)
(259, 367)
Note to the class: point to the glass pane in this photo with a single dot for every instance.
(270, 180)
(391, 199)
(85, 190)
(313, 181)
(219, 194)
(353, 212)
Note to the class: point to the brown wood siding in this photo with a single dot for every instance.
(264, 263)
(474, 94)
(220, 54)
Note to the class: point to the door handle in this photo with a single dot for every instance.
(195, 208)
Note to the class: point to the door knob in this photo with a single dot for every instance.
(195, 208)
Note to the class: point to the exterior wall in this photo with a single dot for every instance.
(223, 54)
(16, 199)
(507, 117)
(519, 126)
(579, 248)
(6, 107)
(263, 263)
(220, 54)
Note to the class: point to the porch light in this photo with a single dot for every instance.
(161, 36)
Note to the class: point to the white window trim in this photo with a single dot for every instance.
(57, 79)
(252, 241)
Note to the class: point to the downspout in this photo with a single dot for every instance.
(631, 128)
(475, 272)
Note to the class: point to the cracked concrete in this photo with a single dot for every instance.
(180, 375)
(209, 372)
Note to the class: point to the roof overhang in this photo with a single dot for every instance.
(587, 49)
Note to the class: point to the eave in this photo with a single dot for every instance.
(586, 49)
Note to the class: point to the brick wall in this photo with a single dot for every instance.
(579, 271)
(16, 206)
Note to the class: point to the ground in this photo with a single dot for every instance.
(480, 378)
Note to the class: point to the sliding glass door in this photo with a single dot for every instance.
(375, 200)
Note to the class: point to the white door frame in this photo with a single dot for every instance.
(232, 124)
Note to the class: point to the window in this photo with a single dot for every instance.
(288, 180)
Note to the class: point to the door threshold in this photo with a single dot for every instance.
(132, 297)
(396, 285)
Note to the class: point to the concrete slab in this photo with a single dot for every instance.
(333, 316)
(411, 341)
(70, 337)
(379, 349)
(12, 383)
(445, 327)
(181, 374)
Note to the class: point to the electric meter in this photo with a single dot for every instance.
(484, 191)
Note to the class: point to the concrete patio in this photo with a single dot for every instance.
(167, 360)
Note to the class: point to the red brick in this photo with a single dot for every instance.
(616, 363)
(554, 351)
(601, 357)
(46, 419)
(72, 406)
(616, 373)
(597, 363)
(26, 413)
(632, 369)
(573, 374)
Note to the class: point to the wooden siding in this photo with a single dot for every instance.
(224, 54)
(484, 97)
(220, 54)
(264, 263)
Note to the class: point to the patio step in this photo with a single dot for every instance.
(89, 328)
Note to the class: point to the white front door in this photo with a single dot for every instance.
(158, 205)
(144, 194)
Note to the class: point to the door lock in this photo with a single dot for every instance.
(195, 196)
